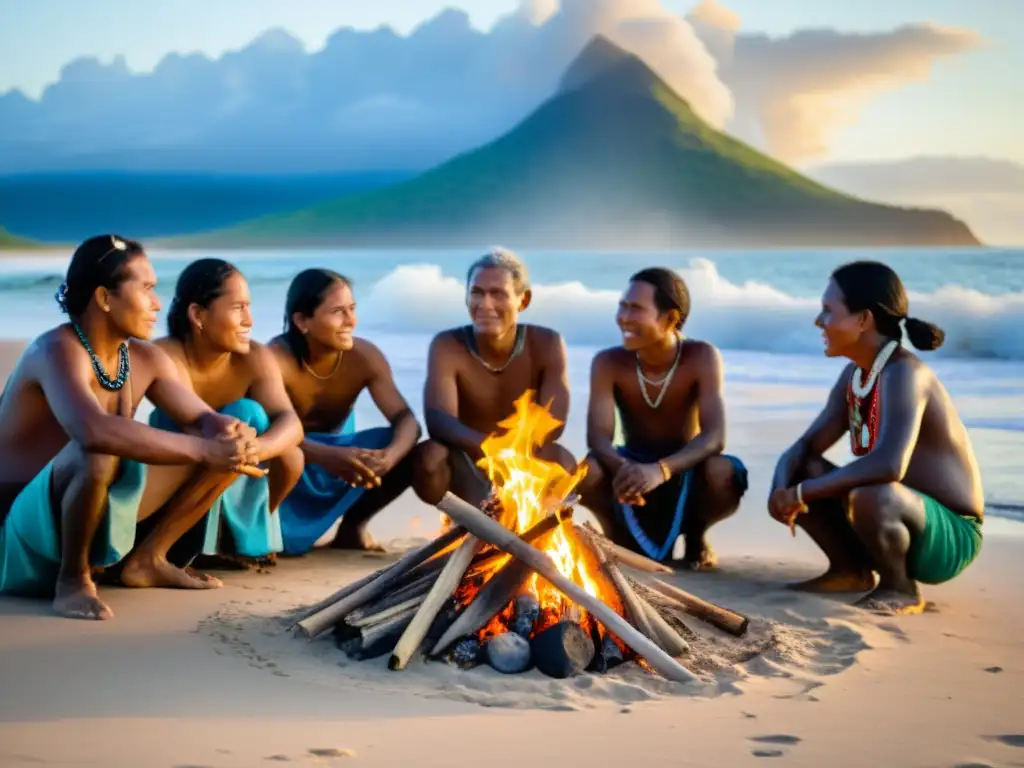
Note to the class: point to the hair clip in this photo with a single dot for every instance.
(62, 296)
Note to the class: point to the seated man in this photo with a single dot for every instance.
(72, 458)
(670, 477)
(910, 505)
(209, 323)
(477, 372)
(350, 476)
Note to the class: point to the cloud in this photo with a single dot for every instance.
(987, 193)
(367, 100)
(793, 93)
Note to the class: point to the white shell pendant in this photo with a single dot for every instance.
(865, 436)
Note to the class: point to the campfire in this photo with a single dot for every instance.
(517, 584)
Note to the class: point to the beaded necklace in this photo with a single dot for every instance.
(124, 366)
(864, 431)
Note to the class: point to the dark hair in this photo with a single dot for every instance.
(201, 282)
(99, 262)
(873, 286)
(670, 291)
(307, 292)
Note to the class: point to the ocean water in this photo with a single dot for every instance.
(758, 307)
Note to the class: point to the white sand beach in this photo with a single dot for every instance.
(214, 679)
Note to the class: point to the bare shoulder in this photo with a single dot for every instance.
(369, 354)
(261, 357)
(612, 358)
(282, 352)
(907, 366)
(547, 343)
(697, 352)
(447, 343)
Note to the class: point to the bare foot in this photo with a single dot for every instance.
(837, 581)
(212, 580)
(891, 602)
(349, 537)
(157, 572)
(78, 600)
(704, 560)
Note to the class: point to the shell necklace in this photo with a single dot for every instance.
(663, 382)
(330, 375)
(861, 431)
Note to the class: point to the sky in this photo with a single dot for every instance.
(971, 103)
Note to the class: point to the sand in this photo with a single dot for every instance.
(214, 679)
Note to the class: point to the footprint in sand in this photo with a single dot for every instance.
(1008, 739)
(767, 753)
(994, 670)
(780, 739)
(332, 752)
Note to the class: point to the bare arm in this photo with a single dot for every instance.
(65, 376)
(173, 396)
(601, 416)
(710, 441)
(829, 426)
(441, 401)
(554, 384)
(903, 399)
(268, 390)
(393, 406)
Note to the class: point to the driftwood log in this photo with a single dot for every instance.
(642, 614)
(724, 619)
(627, 556)
(493, 596)
(463, 559)
(494, 533)
(319, 622)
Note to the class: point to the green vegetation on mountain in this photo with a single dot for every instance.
(614, 159)
(7, 240)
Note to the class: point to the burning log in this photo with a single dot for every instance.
(439, 594)
(319, 622)
(494, 533)
(497, 593)
(448, 582)
(726, 620)
(562, 650)
(643, 615)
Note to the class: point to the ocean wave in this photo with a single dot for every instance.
(741, 316)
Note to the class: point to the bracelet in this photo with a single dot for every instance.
(800, 494)
(665, 471)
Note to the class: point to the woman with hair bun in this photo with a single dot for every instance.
(910, 505)
(209, 324)
(74, 462)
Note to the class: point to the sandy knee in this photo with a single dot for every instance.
(430, 457)
(559, 454)
(291, 464)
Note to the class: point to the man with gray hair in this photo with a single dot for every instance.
(476, 373)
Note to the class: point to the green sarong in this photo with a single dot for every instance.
(947, 545)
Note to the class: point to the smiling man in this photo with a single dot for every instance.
(347, 475)
(669, 477)
(476, 373)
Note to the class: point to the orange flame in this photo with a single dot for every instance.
(530, 488)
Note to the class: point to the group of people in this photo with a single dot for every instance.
(250, 451)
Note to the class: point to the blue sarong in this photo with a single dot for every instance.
(664, 510)
(320, 499)
(30, 542)
(243, 510)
